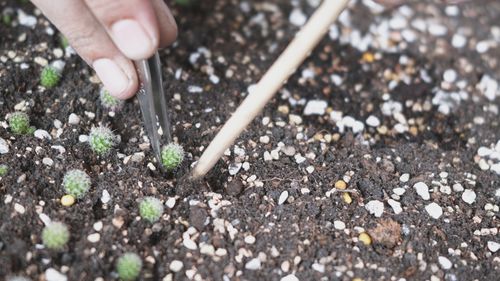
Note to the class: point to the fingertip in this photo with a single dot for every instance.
(133, 39)
(118, 77)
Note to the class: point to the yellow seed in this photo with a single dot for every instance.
(368, 57)
(67, 200)
(357, 279)
(347, 198)
(365, 238)
(340, 184)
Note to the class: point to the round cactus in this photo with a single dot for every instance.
(3, 170)
(55, 235)
(172, 156)
(49, 77)
(110, 102)
(151, 209)
(129, 266)
(101, 140)
(76, 183)
(19, 123)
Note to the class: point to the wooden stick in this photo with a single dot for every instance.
(287, 63)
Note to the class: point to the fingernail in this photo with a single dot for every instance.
(112, 76)
(132, 39)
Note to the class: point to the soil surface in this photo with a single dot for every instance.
(400, 104)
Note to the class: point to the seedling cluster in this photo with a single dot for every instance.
(129, 266)
(76, 183)
(19, 123)
(172, 156)
(151, 209)
(101, 140)
(55, 235)
(49, 77)
(3, 170)
(110, 102)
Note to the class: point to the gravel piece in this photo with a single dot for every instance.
(297, 17)
(42, 134)
(422, 190)
(375, 207)
(434, 210)
(283, 197)
(290, 277)
(53, 275)
(176, 265)
(315, 107)
(4, 147)
(339, 225)
(253, 264)
(493, 246)
(444, 262)
(469, 196)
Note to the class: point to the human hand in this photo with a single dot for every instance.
(109, 34)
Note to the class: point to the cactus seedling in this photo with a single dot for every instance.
(172, 156)
(19, 123)
(151, 209)
(76, 183)
(129, 266)
(49, 77)
(101, 140)
(55, 235)
(3, 170)
(108, 101)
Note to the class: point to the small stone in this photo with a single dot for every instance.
(434, 210)
(422, 190)
(54, 275)
(138, 157)
(365, 238)
(395, 205)
(105, 197)
(458, 187)
(399, 191)
(340, 184)
(318, 267)
(253, 264)
(190, 244)
(290, 277)
(267, 156)
(67, 200)
(250, 239)
(170, 203)
(4, 147)
(234, 168)
(73, 119)
(375, 207)
(176, 265)
(83, 138)
(493, 246)
(42, 134)
(288, 150)
(469, 196)
(118, 222)
(94, 237)
(339, 225)
(310, 169)
(458, 41)
(264, 139)
(450, 75)
(98, 226)
(283, 197)
(47, 161)
(444, 262)
(315, 107)
(297, 17)
(19, 208)
(372, 121)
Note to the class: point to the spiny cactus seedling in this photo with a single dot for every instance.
(3, 170)
(76, 183)
(110, 102)
(172, 156)
(64, 41)
(19, 123)
(55, 235)
(151, 209)
(49, 77)
(101, 140)
(129, 266)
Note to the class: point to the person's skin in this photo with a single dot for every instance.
(110, 34)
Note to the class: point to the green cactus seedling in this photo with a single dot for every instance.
(3, 170)
(129, 266)
(101, 140)
(19, 123)
(172, 156)
(76, 183)
(49, 77)
(151, 209)
(55, 235)
(110, 102)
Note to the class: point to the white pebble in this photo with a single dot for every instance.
(105, 197)
(250, 239)
(339, 225)
(318, 267)
(422, 190)
(375, 207)
(458, 187)
(450, 75)
(73, 119)
(444, 262)
(395, 205)
(437, 29)
(234, 168)
(170, 203)
(495, 168)
(19, 208)
(176, 265)
(253, 264)
(482, 47)
(25, 19)
(315, 107)
(290, 277)
(54, 275)
(493, 246)
(47, 161)
(297, 17)
(469, 196)
(458, 41)
(94, 237)
(190, 244)
(42, 134)
(399, 191)
(372, 121)
(4, 147)
(404, 177)
(283, 197)
(83, 138)
(434, 210)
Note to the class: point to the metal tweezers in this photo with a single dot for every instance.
(153, 103)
